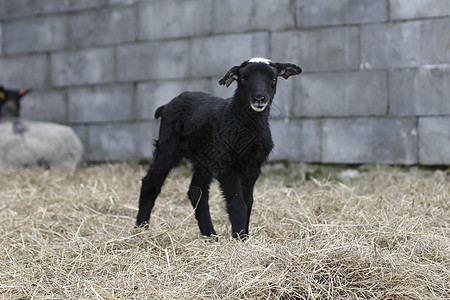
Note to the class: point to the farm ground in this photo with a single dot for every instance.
(383, 234)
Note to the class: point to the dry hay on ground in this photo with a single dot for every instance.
(382, 235)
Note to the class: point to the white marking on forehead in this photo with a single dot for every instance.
(259, 60)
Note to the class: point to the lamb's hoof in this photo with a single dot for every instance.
(212, 238)
(142, 225)
(241, 236)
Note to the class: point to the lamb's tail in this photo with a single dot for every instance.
(159, 112)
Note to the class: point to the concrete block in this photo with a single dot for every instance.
(152, 95)
(121, 141)
(112, 142)
(45, 105)
(233, 15)
(398, 45)
(154, 60)
(24, 71)
(101, 103)
(215, 55)
(391, 45)
(82, 131)
(296, 140)
(82, 67)
(221, 90)
(369, 140)
(20, 8)
(423, 91)
(341, 94)
(169, 19)
(37, 34)
(74, 5)
(283, 101)
(326, 12)
(408, 9)
(148, 132)
(307, 48)
(435, 41)
(101, 27)
(434, 141)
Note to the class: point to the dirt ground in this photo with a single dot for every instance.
(380, 233)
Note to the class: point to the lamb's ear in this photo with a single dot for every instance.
(2, 93)
(232, 74)
(22, 93)
(286, 70)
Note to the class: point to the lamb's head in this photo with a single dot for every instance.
(10, 102)
(257, 80)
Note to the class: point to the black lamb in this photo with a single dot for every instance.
(224, 139)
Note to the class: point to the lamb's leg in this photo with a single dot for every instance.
(236, 207)
(248, 183)
(198, 194)
(152, 183)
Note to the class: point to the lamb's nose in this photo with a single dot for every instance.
(259, 97)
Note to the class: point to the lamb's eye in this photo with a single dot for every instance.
(242, 81)
(274, 82)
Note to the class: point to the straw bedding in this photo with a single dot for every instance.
(69, 235)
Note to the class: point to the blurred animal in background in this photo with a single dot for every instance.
(29, 143)
(10, 102)
(10, 107)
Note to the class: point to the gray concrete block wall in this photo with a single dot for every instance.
(87, 66)
(325, 12)
(109, 103)
(365, 140)
(54, 101)
(35, 35)
(319, 49)
(153, 60)
(162, 19)
(106, 26)
(375, 86)
(410, 9)
(349, 93)
(25, 71)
